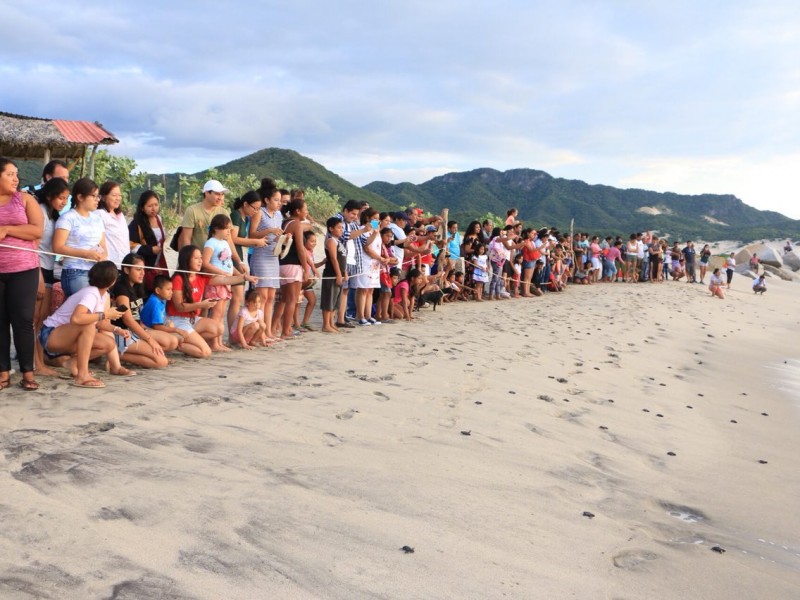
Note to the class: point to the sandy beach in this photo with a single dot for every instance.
(483, 436)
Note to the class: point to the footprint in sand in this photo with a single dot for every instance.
(381, 396)
(348, 414)
(634, 560)
(331, 439)
(92, 428)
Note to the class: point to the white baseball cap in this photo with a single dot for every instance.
(212, 185)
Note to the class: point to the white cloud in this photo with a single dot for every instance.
(405, 90)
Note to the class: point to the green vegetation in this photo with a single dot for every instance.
(479, 194)
(545, 200)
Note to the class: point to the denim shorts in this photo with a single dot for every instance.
(124, 343)
(73, 280)
(44, 335)
(184, 323)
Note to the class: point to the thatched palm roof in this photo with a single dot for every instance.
(31, 137)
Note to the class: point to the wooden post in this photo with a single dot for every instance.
(46, 155)
(91, 162)
(180, 194)
(148, 183)
(83, 161)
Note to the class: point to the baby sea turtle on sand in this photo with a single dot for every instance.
(410, 550)
(466, 432)
(671, 454)
(587, 514)
(718, 549)
(762, 461)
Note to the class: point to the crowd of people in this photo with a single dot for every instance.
(79, 282)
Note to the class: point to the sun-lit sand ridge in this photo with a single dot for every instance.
(300, 472)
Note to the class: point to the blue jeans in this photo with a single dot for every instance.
(73, 280)
(496, 282)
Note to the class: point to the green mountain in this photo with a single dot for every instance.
(296, 168)
(546, 200)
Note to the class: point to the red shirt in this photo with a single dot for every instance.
(198, 287)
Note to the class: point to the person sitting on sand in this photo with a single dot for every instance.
(82, 328)
(715, 285)
(142, 348)
(188, 286)
(403, 296)
(760, 284)
(249, 328)
(754, 262)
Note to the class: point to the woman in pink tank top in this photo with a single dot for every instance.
(20, 230)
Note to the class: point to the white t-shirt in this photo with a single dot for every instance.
(85, 233)
(118, 242)
(398, 252)
(89, 297)
(639, 249)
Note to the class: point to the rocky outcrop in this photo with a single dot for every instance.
(792, 260)
(766, 255)
(781, 273)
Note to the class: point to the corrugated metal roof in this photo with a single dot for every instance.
(84, 132)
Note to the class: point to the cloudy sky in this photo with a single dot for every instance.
(679, 96)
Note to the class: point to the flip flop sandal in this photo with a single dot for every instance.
(286, 247)
(123, 372)
(29, 385)
(279, 245)
(89, 383)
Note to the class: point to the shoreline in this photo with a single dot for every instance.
(304, 470)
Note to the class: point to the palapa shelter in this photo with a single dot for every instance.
(29, 138)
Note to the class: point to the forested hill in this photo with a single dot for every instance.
(546, 200)
(289, 165)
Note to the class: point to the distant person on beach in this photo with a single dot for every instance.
(715, 285)
(334, 274)
(511, 216)
(689, 258)
(760, 284)
(632, 259)
(705, 256)
(788, 247)
(754, 262)
(730, 267)
(20, 231)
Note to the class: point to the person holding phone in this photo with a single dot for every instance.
(82, 329)
(188, 286)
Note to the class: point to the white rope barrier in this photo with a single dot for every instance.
(37, 251)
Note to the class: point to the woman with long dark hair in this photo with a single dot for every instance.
(20, 230)
(147, 237)
(52, 197)
(244, 209)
